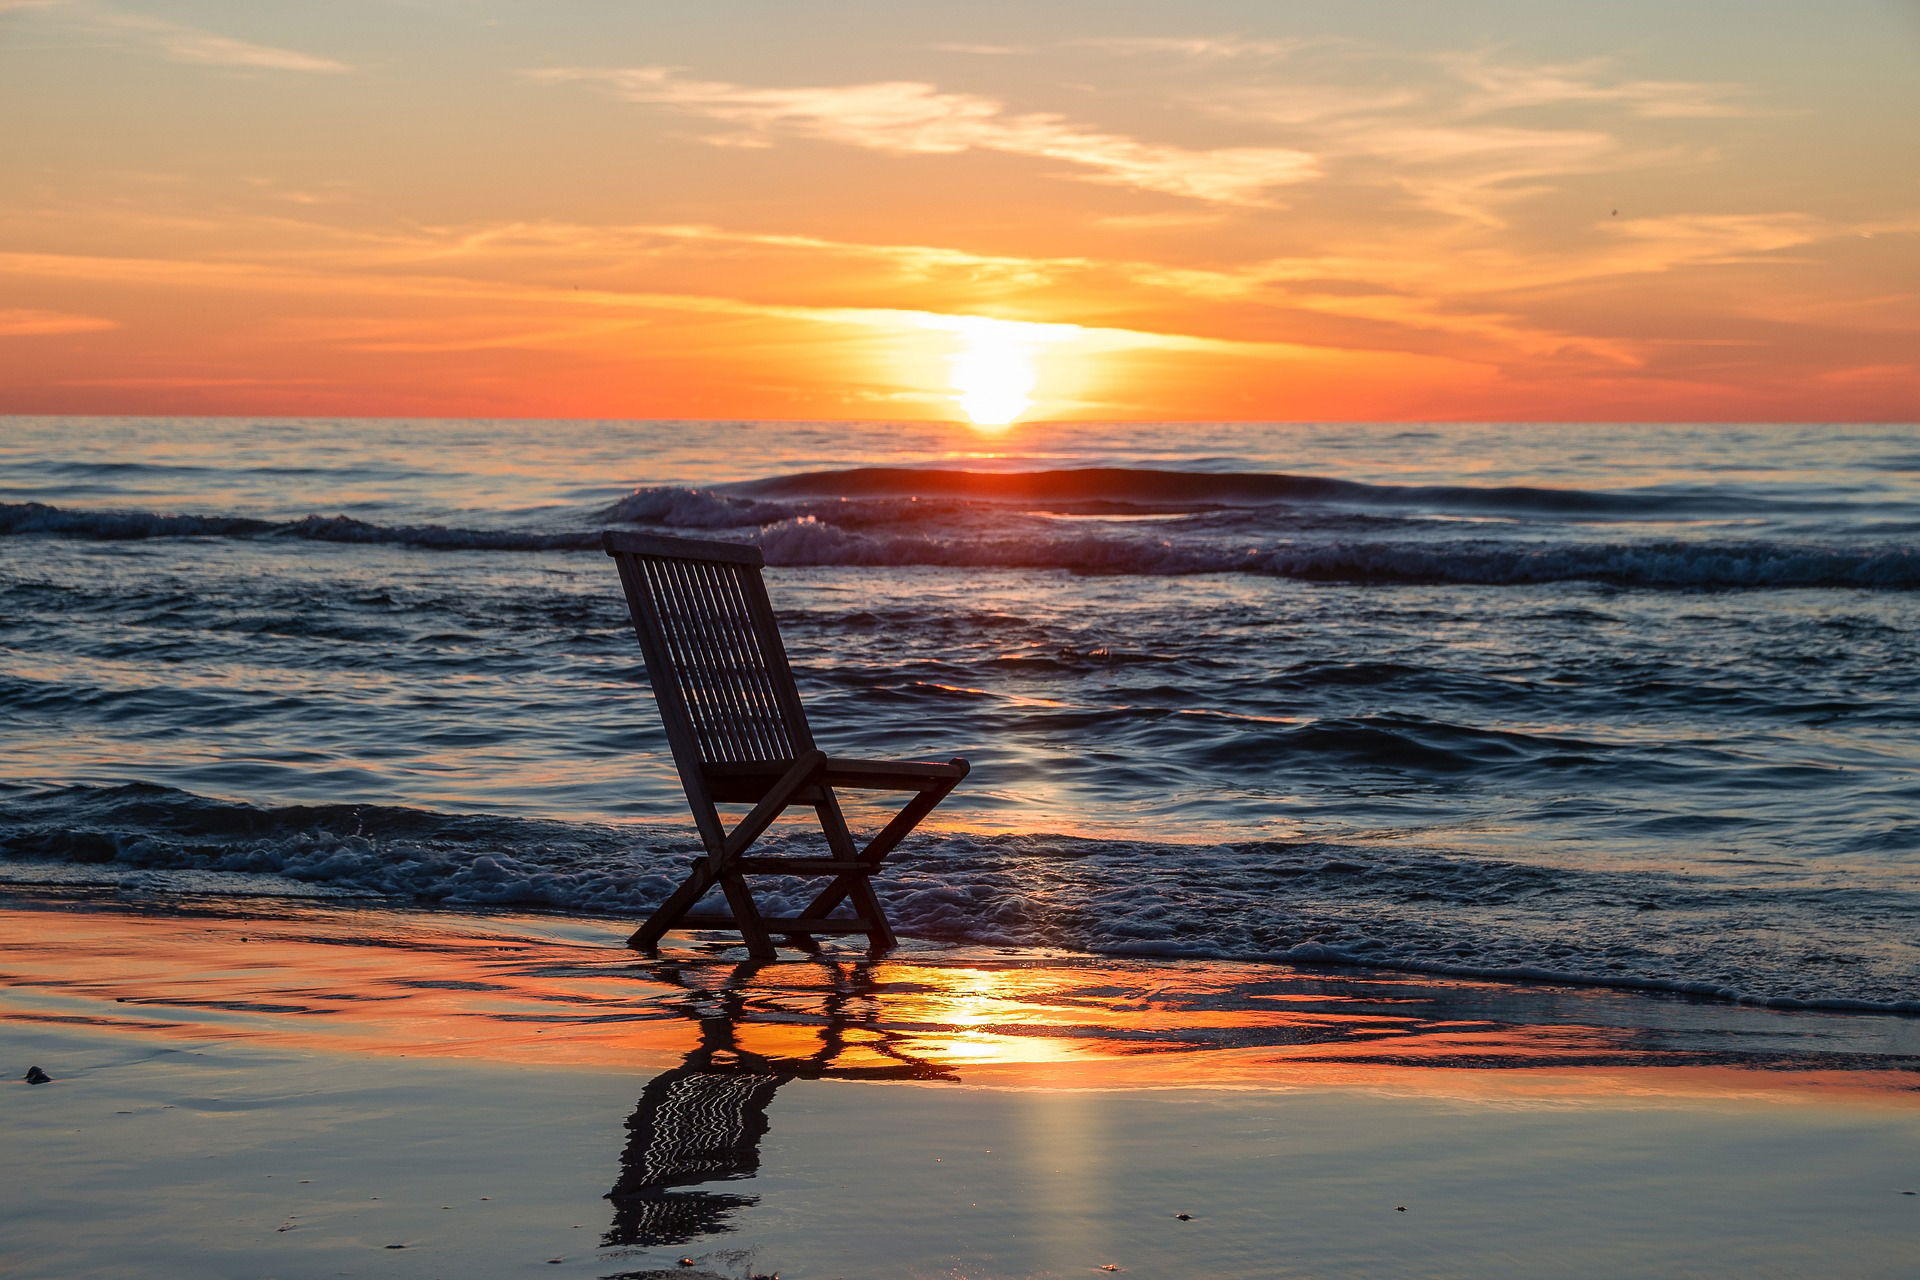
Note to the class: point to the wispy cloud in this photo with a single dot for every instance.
(182, 382)
(1473, 173)
(1203, 48)
(906, 117)
(1446, 130)
(176, 40)
(20, 322)
(1265, 103)
(510, 331)
(1467, 135)
(334, 191)
(1428, 293)
(1505, 86)
(1481, 303)
(982, 50)
(190, 44)
(531, 303)
(1721, 239)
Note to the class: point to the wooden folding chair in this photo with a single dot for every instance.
(739, 737)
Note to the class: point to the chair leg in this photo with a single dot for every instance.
(805, 944)
(647, 936)
(866, 905)
(747, 919)
(880, 846)
(746, 915)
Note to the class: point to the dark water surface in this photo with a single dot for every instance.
(1630, 704)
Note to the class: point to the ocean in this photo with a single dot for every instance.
(1625, 705)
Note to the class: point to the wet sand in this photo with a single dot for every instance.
(267, 1087)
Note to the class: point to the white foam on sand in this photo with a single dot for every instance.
(1409, 908)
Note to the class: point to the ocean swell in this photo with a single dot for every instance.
(1164, 490)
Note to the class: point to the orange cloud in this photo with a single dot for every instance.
(182, 43)
(1198, 48)
(20, 322)
(1507, 87)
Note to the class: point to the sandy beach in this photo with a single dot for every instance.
(276, 1088)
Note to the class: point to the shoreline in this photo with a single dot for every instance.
(130, 884)
(340, 974)
(298, 1088)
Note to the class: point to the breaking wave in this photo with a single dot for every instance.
(1670, 564)
(1138, 521)
(18, 518)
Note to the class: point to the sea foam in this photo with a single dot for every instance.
(1306, 901)
(815, 539)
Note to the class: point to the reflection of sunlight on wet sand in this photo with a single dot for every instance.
(1064, 1148)
(561, 991)
(971, 1009)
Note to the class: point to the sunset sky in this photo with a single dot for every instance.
(1368, 209)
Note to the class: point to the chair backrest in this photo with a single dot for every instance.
(714, 657)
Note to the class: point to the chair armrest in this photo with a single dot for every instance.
(892, 775)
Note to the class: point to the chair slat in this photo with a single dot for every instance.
(780, 684)
(701, 676)
(767, 678)
(707, 677)
(752, 735)
(724, 674)
(731, 691)
(687, 661)
(766, 711)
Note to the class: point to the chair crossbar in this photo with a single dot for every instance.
(778, 924)
(808, 866)
(739, 736)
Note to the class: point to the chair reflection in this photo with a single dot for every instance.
(702, 1121)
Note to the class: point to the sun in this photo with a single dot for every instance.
(996, 367)
(994, 372)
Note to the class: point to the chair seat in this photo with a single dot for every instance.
(745, 782)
